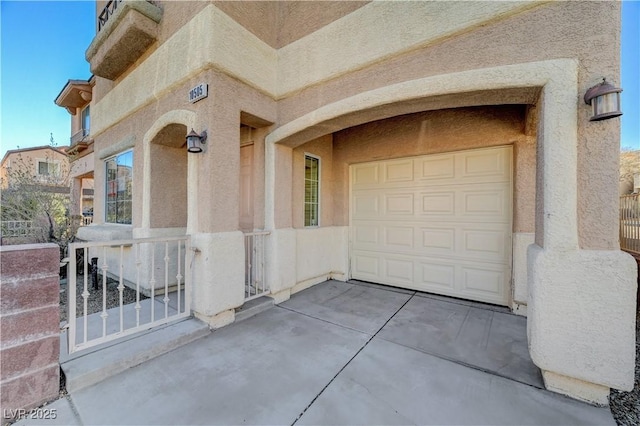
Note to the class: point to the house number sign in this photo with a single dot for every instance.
(201, 91)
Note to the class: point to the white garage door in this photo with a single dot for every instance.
(436, 223)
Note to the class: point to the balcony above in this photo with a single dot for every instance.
(75, 94)
(80, 141)
(126, 30)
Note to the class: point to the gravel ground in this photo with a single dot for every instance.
(95, 297)
(625, 406)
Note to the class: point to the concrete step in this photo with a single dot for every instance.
(253, 307)
(85, 370)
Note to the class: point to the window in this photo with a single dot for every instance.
(86, 121)
(47, 168)
(311, 190)
(119, 185)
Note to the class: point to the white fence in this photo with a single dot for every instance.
(254, 274)
(19, 228)
(156, 274)
(630, 223)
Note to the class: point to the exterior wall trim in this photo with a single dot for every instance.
(127, 143)
(280, 73)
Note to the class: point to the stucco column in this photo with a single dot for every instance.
(558, 164)
(76, 196)
(581, 311)
(218, 268)
(193, 189)
(280, 253)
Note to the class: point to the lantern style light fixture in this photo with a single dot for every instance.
(195, 141)
(604, 100)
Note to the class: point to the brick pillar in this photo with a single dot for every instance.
(30, 324)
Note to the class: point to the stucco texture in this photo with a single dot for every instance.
(349, 87)
(555, 30)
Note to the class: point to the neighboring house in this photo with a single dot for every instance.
(33, 181)
(76, 96)
(43, 163)
(437, 146)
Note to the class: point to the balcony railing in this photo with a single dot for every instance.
(630, 223)
(79, 136)
(110, 9)
(155, 272)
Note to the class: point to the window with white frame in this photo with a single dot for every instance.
(119, 188)
(48, 168)
(311, 190)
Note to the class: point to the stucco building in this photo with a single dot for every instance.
(438, 146)
(76, 97)
(41, 163)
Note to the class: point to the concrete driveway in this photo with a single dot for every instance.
(341, 353)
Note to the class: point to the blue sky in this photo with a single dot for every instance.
(43, 45)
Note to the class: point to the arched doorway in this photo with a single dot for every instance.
(168, 177)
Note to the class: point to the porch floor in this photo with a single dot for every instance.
(341, 353)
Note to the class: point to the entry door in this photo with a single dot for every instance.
(246, 187)
(436, 223)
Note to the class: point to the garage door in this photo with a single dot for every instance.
(436, 223)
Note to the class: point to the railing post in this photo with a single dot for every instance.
(71, 298)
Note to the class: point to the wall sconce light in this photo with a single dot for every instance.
(604, 100)
(195, 141)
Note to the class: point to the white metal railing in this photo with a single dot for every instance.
(139, 264)
(630, 223)
(254, 271)
(87, 220)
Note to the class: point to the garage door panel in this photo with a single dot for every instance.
(485, 203)
(436, 168)
(366, 235)
(366, 206)
(438, 240)
(400, 237)
(436, 276)
(438, 223)
(366, 266)
(486, 163)
(437, 203)
(482, 281)
(490, 245)
(398, 204)
(398, 270)
(398, 171)
(365, 175)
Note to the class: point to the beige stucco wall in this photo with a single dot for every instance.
(356, 70)
(555, 30)
(218, 165)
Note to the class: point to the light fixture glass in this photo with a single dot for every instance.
(604, 100)
(195, 141)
